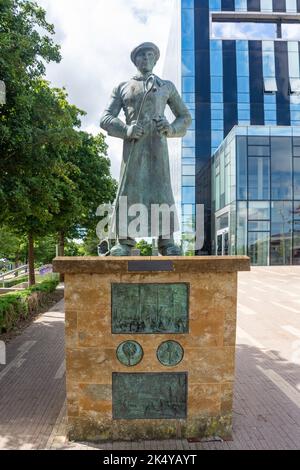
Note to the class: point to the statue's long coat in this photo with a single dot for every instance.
(145, 173)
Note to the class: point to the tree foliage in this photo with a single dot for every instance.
(53, 176)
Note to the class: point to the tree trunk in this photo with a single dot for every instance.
(17, 264)
(31, 259)
(61, 250)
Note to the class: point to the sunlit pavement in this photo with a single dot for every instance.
(267, 387)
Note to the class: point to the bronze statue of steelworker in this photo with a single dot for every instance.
(145, 172)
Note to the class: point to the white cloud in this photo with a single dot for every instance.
(96, 38)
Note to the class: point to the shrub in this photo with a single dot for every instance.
(18, 306)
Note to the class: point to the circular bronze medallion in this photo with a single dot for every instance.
(130, 353)
(170, 353)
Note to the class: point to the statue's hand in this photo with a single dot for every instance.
(163, 126)
(135, 132)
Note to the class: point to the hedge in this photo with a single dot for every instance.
(21, 305)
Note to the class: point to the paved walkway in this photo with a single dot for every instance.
(267, 388)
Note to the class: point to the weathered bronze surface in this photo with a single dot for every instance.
(170, 353)
(149, 395)
(150, 308)
(130, 353)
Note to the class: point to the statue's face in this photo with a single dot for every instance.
(145, 60)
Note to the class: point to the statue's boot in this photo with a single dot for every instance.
(120, 250)
(168, 247)
(123, 248)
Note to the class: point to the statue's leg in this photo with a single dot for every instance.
(167, 247)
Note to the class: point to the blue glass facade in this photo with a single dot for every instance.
(229, 81)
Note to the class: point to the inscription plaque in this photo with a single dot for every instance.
(149, 395)
(170, 353)
(130, 353)
(150, 308)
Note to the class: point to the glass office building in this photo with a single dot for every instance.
(240, 78)
(256, 194)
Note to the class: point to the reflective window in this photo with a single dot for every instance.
(216, 84)
(258, 140)
(189, 139)
(290, 33)
(188, 97)
(281, 167)
(281, 228)
(216, 137)
(296, 245)
(216, 63)
(188, 85)
(295, 85)
(241, 161)
(216, 114)
(243, 98)
(297, 178)
(258, 151)
(188, 152)
(266, 5)
(241, 222)
(228, 30)
(258, 248)
(291, 6)
(217, 97)
(240, 5)
(188, 63)
(188, 181)
(215, 5)
(258, 226)
(243, 84)
(217, 125)
(259, 178)
(188, 195)
(188, 209)
(188, 32)
(187, 3)
(188, 170)
(242, 63)
(259, 210)
(270, 85)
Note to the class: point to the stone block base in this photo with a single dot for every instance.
(207, 341)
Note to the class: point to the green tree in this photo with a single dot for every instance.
(144, 247)
(25, 44)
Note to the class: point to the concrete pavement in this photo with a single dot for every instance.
(267, 388)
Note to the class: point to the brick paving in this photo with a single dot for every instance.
(267, 387)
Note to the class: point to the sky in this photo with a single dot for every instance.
(96, 38)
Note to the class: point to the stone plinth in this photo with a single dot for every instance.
(208, 344)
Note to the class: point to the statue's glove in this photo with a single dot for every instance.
(134, 131)
(164, 127)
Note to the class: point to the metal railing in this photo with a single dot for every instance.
(8, 275)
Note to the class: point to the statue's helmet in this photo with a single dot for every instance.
(145, 45)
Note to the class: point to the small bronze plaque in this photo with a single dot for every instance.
(130, 353)
(170, 353)
(142, 265)
(149, 395)
(150, 308)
